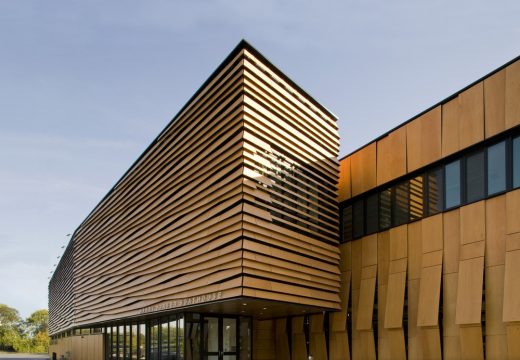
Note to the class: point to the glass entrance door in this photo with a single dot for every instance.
(220, 338)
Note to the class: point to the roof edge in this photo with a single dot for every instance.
(442, 102)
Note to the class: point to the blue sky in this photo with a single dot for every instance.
(86, 86)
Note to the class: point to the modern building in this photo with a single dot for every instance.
(238, 234)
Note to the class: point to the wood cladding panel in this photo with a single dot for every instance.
(471, 115)
(298, 341)
(317, 341)
(391, 156)
(264, 340)
(511, 310)
(237, 197)
(512, 110)
(363, 169)
(281, 339)
(494, 103)
(423, 139)
(345, 180)
(469, 291)
(450, 127)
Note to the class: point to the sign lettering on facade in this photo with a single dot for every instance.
(193, 300)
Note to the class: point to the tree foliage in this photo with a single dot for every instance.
(29, 335)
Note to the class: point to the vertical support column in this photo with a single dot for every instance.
(298, 343)
(281, 340)
(511, 312)
(317, 342)
(367, 289)
(338, 332)
(263, 341)
(430, 287)
(471, 277)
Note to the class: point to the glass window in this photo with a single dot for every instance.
(135, 335)
(245, 338)
(154, 342)
(516, 162)
(108, 342)
(180, 335)
(475, 184)
(358, 219)
(435, 195)
(164, 340)
(452, 193)
(173, 337)
(114, 342)
(417, 197)
(127, 342)
(142, 341)
(229, 335)
(496, 164)
(121, 345)
(193, 338)
(347, 223)
(401, 206)
(385, 209)
(211, 339)
(372, 218)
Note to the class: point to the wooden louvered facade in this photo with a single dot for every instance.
(235, 217)
(234, 201)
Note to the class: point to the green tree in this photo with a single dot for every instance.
(36, 330)
(38, 322)
(10, 327)
(23, 336)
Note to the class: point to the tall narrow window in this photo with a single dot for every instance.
(347, 223)
(435, 191)
(173, 337)
(115, 351)
(128, 353)
(496, 168)
(121, 343)
(108, 342)
(401, 204)
(154, 342)
(358, 219)
(452, 173)
(516, 162)
(142, 341)
(416, 197)
(372, 218)
(385, 209)
(180, 336)
(475, 183)
(134, 341)
(164, 340)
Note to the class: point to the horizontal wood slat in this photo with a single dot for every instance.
(238, 194)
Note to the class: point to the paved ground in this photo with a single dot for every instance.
(17, 356)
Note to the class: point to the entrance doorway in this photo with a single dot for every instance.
(220, 338)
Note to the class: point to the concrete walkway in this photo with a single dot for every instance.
(20, 356)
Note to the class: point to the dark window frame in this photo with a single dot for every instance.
(508, 137)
